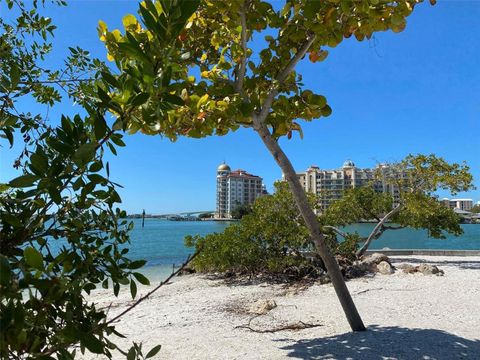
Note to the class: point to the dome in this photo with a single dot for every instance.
(348, 163)
(223, 167)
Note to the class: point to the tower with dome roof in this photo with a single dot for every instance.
(235, 188)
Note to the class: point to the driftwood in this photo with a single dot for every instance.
(299, 325)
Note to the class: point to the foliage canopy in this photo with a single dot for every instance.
(61, 232)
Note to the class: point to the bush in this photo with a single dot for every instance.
(269, 240)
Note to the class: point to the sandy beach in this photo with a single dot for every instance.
(409, 316)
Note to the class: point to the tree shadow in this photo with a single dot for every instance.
(387, 343)
(462, 264)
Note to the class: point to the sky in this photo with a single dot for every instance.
(413, 92)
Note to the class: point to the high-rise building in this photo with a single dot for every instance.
(235, 188)
(329, 185)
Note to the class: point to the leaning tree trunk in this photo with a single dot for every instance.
(376, 229)
(310, 218)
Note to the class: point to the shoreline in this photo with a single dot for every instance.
(409, 316)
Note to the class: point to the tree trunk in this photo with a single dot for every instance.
(310, 218)
(372, 235)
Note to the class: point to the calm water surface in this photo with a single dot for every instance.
(160, 242)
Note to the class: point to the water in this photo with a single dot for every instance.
(160, 242)
(419, 239)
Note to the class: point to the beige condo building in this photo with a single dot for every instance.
(329, 185)
(460, 204)
(235, 188)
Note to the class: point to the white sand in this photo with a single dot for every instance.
(409, 316)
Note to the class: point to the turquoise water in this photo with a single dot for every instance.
(160, 242)
(419, 239)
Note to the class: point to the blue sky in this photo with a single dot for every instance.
(413, 92)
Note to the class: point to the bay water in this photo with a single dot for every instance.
(161, 242)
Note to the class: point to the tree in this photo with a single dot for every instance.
(241, 210)
(267, 241)
(415, 179)
(270, 240)
(61, 232)
(261, 90)
(475, 209)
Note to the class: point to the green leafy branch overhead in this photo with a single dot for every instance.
(224, 79)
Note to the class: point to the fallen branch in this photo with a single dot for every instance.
(364, 291)
(300, 325)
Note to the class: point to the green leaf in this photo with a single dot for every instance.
(23, 181)
(141, 278)
(39, 163)
(116, 139)
(96, 166)
(110, 79)
(33, 258)
(55, 195)
(12, 220)
(5, 270)
(14, 75)
(140, 99)
(136, 264)
(318, 100)
(166, 76)
(92, 344)
(100, 127)
(84, 153)
(133, 289)
(116, 289)
(9, 135)
(153, 351)
(96, 178)
(326, 110)
(132, 354)
(174, 99)
(103, 95)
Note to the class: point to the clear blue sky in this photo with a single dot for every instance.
(413, 92)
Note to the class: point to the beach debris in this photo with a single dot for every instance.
(263, 306)
(385, 268)
(299, 325)
(407, 268)
(425, 269)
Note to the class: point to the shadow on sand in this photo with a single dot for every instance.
(387, 343)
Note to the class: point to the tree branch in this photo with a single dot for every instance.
(267, 104)
(376, 229)
(336, 230)
(240, 76)
(147, 295)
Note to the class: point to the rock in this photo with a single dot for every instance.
(407, 268)
(385, 268)
(263, 306)
(375, 259)
(426, 269)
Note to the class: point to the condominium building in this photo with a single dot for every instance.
(235, 188)
(460, 204)
(329, 185)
